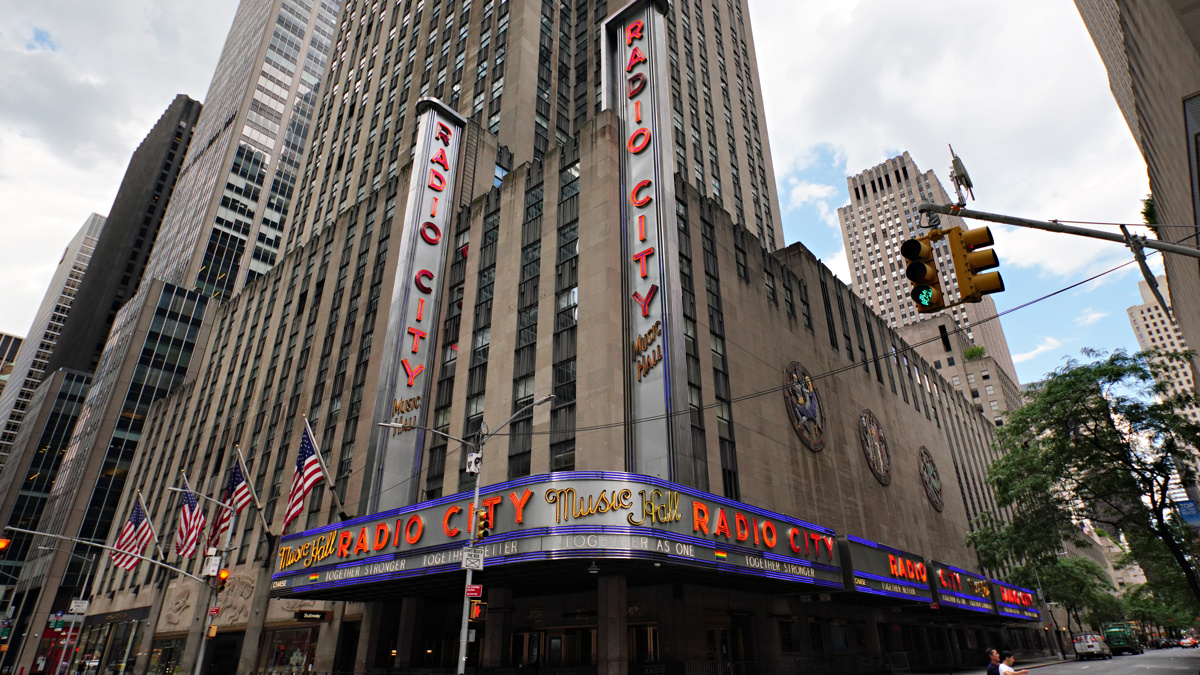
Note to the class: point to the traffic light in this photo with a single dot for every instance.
(923, 273)
(482, 528)
(478, 610)
(4, 543)
(222, 577)
(971, 254)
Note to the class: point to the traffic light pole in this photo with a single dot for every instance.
(1053, 226)
(477, 445)
(466, 611)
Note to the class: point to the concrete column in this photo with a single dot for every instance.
(499, 625)
(259, 603)
(612, 626)
(408, 631)
(368, 637)
(327, 640)
(147, 644)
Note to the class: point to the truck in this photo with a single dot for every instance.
(1121, 639)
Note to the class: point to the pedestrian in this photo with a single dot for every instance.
(1006, 665)
(993, 662)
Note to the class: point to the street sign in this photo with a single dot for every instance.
(475, 591)
(79, 606)
(472, 559)
(58, 614)
(213, 611)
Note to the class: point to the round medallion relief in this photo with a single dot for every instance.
(804, 406)
(875, 447)
(931, 479)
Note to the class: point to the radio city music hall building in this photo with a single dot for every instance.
(742, 463)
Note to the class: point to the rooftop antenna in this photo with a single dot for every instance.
(960, 178)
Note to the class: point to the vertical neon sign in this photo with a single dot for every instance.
(411, 343)
(636, 88)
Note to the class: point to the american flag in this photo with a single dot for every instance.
(308, 473)
(132, 540)
(237, 495)
(191, 524)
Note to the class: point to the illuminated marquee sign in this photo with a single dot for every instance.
(413, 317)
(882, 570)
(591, 514)
(1014, 602)
(636, 88)
(959, 588)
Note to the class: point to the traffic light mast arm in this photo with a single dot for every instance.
(1051, 226)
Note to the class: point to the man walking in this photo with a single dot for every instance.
(993, 662)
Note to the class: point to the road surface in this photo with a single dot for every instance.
(1153, 662)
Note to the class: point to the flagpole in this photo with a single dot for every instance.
(253, 493)
(325, 471)
(150, 522)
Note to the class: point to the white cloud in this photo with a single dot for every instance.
(81, 83)
(801, 193)
(1047, 344)
(840, 266)
(1089, 316)
(1017, 88)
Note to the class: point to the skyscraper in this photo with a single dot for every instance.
(123, 245)
(9, 344)
(1150, 50)
(1156, 330)
(543, 231)
(29, 366)
(882, 214)
(221, 230)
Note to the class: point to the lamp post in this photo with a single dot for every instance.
(91, 563)
(477, 445)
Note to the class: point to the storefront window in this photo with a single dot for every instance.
(291, 651)
(165, 656)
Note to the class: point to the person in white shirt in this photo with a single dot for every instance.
(1006, 665)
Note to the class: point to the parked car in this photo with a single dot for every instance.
(1091, 646)
(1188, 643)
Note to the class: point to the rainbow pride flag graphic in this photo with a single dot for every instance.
(314, 576)
(721, 555)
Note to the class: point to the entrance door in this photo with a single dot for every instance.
(224, 650)
(528, 647)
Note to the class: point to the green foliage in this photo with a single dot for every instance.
(1075, 582)
(1098, 440)
(974, 352)
(1149, 216)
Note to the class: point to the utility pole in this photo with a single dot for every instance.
(1135, 243)
(474, 460)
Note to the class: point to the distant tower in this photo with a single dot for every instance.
(1155, 330)
(222, 229)
(29, 366)
(882, 214)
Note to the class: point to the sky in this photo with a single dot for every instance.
(1016, 87)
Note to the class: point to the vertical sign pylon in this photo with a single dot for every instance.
(637, 89)
(411, 343)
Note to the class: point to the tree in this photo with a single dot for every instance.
(974, 352)
(1075, 582)
(1100, 440)
(1149, 216)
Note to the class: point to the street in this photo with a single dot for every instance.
(1155, 661)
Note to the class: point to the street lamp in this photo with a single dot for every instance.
(86, 581)
(481, 437)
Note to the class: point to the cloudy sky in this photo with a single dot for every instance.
(1016, 87)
